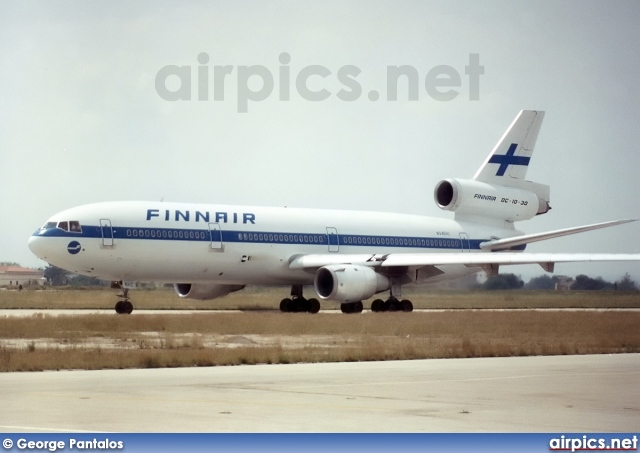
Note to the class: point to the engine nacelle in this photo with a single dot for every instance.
(475, 198)
(348, 282)
(204, 291)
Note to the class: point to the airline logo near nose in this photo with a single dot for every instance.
(74, 247)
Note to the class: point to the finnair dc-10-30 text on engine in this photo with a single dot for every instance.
(208, 251)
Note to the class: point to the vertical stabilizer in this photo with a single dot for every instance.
(508, 162)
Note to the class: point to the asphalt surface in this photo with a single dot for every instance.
(28, 312)
(532, 394)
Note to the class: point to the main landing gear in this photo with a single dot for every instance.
(352, 307)
(124, 306)
(297, 303)
(379, 305)
(391, 304)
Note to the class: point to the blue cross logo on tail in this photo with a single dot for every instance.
(508, 159)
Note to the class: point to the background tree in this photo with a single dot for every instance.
(56, 276)
(503, 281)
(83, 280)
(626, 283)
(584, 283)
(543, 282)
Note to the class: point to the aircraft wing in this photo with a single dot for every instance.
(484, 260)
(502, 244)
(505, 258)
(488, 260)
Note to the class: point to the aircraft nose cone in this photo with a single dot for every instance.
(36, 245)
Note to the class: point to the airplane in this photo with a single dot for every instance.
(208, 251)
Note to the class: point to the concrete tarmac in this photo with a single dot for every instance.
(30, 312)
(531, 394)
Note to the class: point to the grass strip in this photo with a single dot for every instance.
(211, 339)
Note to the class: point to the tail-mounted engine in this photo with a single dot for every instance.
(474, 198)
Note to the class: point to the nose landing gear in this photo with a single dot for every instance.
(124, 306)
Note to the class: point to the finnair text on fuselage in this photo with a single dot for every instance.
(200, 216)
(484, 197)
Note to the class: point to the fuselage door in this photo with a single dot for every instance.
(107, 232)
(215, 233)
(465, 244)
(332, 234)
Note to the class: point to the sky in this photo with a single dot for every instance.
(86, 113)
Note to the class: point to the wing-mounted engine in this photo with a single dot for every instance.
(471, 198)
(205, 291)
(349, 283)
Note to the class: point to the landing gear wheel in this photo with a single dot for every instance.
(406, 306)
(392, 304)
(300, 305)
(124, 307)
(313, 306)
(353, 307)
(286, 305)
(377, 306)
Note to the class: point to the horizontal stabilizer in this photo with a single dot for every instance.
(503, 244)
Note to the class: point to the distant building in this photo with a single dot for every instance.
(16, 276)
(564, 283)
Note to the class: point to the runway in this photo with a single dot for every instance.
(28, 312)
(531, 394)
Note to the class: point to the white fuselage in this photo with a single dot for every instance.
(191, 243)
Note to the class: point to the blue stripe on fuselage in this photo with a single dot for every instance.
(265, 237)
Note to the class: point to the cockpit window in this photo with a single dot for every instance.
(72, 226)
(49, 225)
